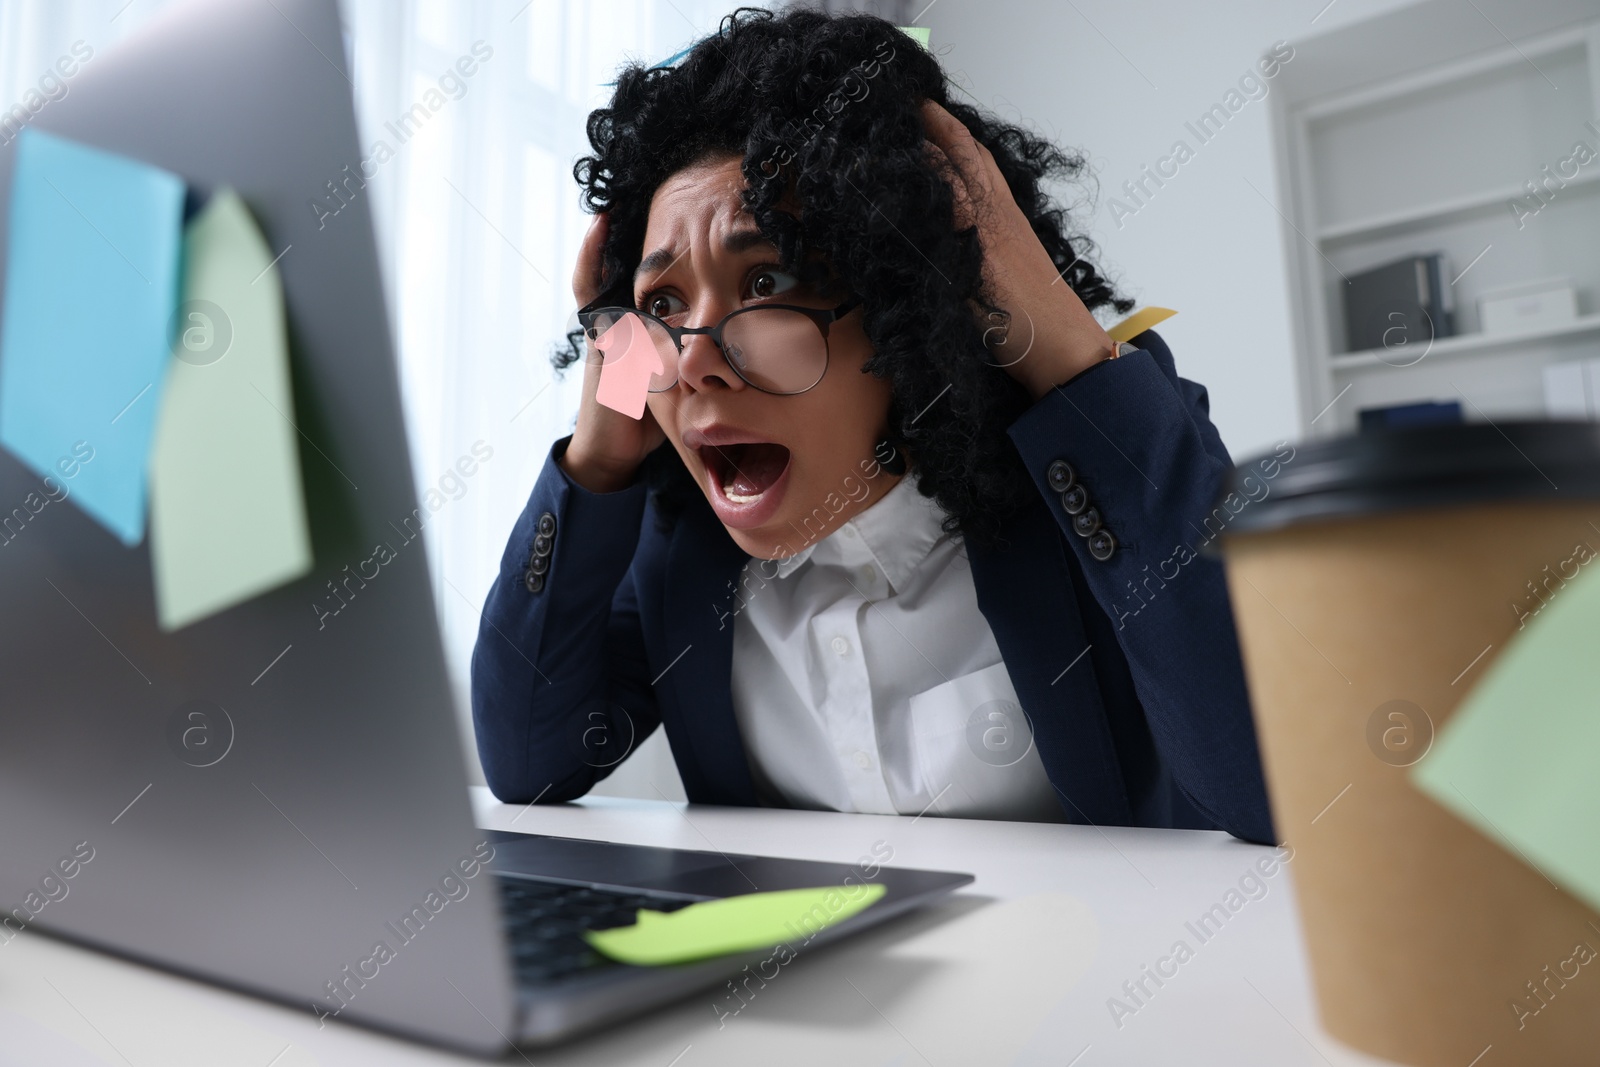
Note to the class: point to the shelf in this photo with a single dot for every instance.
(1469, 343)
(1444, 211)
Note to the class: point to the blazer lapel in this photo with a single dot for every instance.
(1026, 592)
(702, 573)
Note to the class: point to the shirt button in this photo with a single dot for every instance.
(841, 646)
(868, 574)
(863, 760)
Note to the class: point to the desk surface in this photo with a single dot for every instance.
(1018, 968)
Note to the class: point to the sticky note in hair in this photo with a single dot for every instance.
(630, 358)
(918, 34)
(734, 924)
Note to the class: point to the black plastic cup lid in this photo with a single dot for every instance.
(1413, 468)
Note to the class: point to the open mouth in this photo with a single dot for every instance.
(745, 471)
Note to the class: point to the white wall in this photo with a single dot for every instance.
(1119, 80)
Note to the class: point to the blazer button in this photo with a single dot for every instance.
(547, 524)
(538, 564)
(534, 582)
(541, 545)
(1061, 476)
(1074, 500)
(1102, 544)
(1087, 522)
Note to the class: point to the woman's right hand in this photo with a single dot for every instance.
(607, 446)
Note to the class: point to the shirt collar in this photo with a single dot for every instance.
(897, 532)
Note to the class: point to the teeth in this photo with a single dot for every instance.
(738, 497)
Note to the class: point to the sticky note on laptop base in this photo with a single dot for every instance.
(1517, 759)
(227, 507)
(733, 924)
(92, 275)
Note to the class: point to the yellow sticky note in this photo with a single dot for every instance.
(227, 509)
(1137, 323)
(733, 924)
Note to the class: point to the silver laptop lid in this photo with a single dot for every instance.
(313, 841)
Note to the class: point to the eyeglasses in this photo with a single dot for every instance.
(776, 348)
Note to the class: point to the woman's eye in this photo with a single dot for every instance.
(661, 305)
(767, 282)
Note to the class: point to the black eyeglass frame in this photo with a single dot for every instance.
(822, 317)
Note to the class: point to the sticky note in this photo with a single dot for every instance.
(1137, 323)
(227, 510)
(918, 34)
(92, 274)
(1516, 760)
(629, 359)
(733, 924)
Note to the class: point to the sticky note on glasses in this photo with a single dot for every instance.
(733, 924)
(629, 360)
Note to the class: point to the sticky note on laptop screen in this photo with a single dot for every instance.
(92, 274)
(1517, 760)
(732, 924)
(227, 508)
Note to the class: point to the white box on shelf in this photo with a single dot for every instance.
(1531, 306)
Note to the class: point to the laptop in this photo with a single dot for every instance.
(314, 842)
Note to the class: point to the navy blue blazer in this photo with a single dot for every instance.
(600, 625)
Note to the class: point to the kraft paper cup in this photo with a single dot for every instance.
(1374, 579)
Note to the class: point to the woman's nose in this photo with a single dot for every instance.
(701, 364)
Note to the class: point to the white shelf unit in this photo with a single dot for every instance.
(1415, 133)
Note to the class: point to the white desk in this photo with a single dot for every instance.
(1015, 969)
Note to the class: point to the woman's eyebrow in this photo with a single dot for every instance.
(735, 242)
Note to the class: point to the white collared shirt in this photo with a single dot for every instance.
(865, 678)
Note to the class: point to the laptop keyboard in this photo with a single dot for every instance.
(545, 922)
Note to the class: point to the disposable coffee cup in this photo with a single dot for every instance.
(1374, 580)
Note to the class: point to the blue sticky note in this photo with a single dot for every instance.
(92, 275)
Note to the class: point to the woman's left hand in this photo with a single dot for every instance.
(1051, 336)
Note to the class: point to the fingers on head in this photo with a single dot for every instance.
(959, 190)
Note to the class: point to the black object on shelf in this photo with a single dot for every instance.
(1426, 413)
(1401, 303)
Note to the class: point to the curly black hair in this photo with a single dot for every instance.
(824, 111)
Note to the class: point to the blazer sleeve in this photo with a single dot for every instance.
(1140, 440)
(560, 681)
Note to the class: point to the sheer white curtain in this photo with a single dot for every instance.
(478, 225)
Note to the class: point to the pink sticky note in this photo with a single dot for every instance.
(630, 358)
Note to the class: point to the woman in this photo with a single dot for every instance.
(891, 542)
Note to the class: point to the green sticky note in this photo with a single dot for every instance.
(733, 924)
(1517, 759)
(916, 33)
(227, 510)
